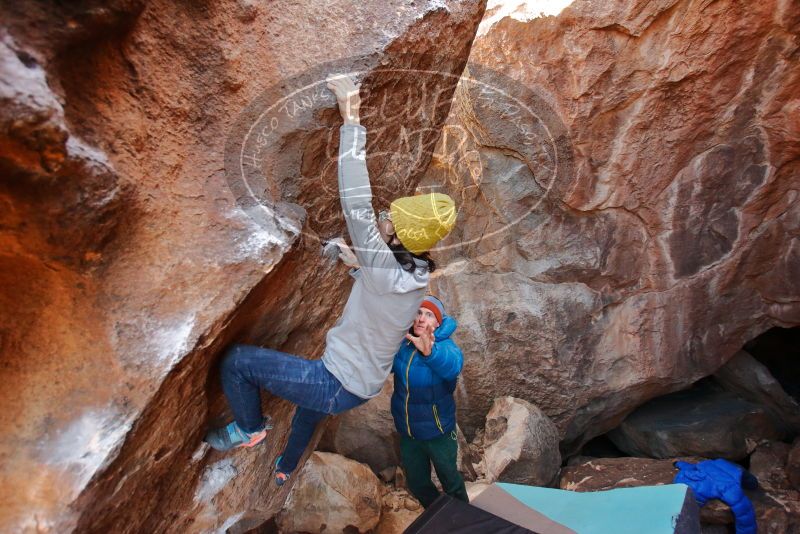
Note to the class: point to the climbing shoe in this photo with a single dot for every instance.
(280, 476)
(231, 436)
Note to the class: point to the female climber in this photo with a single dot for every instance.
(389, 286)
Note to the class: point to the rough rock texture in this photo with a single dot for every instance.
(780, 513)
(793, 464)
(397, 521)
(467, 457)
(700, 421)
(631, 219)
(332, 494)
(520, 444)
(133, 249)
(768, 464)
(366, 434)
(752, 380)
(600, 474)
(778, 502)
(399, 510)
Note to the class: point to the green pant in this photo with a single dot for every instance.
(417, 456)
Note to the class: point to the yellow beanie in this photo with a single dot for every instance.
(422, 220)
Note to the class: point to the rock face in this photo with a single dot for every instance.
(142, 230)
(751, 379)
(520, 444)
(332, 494)
(701, 421)
(628, 202)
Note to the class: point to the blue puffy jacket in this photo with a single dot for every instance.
(719, 479)
(422, 403)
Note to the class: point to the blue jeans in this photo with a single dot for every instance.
(307, 383)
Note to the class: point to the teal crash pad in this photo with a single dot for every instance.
(666, 509)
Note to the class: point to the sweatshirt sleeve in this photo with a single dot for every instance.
(355, 194)
(743, 513)
(445, 359)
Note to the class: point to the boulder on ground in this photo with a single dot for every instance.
(701, 421)
(332, 494)
(400, 509)
(520, 444)
(752, 380)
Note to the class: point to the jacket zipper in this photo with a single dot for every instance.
(436, 416)
(408, 391)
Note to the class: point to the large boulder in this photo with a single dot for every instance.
(149, 216)
(701, 421)
(752, 380)
(520, 444)
(621, 237)
(332, 494)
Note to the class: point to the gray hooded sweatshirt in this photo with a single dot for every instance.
(360, 347)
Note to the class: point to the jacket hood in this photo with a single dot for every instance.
(445, 329)
(406, 282)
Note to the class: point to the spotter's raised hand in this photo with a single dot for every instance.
(423, 343)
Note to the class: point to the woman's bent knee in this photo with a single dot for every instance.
(232, 354)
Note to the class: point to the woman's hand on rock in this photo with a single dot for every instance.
(347, 96)
(346, 254)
